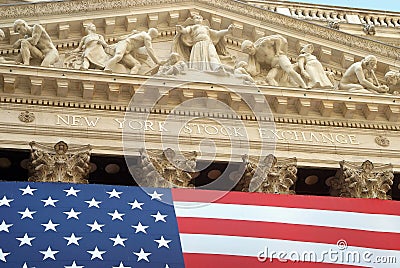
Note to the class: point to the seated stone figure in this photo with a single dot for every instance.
(93, 47)
(360, 76)
(36, 43)
(270, 53)
(312, 70)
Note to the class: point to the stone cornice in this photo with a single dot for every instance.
(299, 4)
(307, 28)
(59, 87)
(75, 6)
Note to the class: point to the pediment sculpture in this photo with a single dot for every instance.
(197, 47)
(200, 45)
(270, 53)
(35, 43)
(268, 175)
(312, 70)
(365, 181)
(360, 77)
(59, 163)
(126, 56)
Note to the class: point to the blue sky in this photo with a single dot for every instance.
(389, 5)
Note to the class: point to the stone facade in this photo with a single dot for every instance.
(122, 77)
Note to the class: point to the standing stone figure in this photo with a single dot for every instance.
(127, 51)
(360, 76)
(93, 46)
(311, 69)
(270, 52)
(36, 43)
(197, 44)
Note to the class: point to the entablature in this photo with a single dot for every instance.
(99, 90)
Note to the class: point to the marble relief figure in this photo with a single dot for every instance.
(173, 66)
(392, 78)
(241, 73)
(270, 53)
(132, 49)
(93, 48)
(35, 43)
(312, 70)
(199, 45)
(360, 76)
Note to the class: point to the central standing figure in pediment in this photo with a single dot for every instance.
(199, 45)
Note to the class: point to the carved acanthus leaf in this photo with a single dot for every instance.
(268, 175)
(365, 181)
(165, 168)
(59, 163)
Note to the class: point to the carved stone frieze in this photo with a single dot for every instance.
(59, 163)
(365, 181)
(165, 168)
(268, 175)
(26, 117)
(41, 9)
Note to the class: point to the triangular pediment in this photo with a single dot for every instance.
(64, 22)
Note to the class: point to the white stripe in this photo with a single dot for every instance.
(289, 250)
(314, 217)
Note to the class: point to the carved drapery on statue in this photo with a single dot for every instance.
(59, 163)
(165, 169)
(268, 175)
(201, 48)
(365, 181)
(200, 45)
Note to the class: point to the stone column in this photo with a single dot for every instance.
(268, 175)
(165, 169)
(59, 163)
(365, 181)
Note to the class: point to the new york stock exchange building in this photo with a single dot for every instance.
(177, 133)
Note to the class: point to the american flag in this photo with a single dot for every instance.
(84, 226)
(74, 226)
(262, 230)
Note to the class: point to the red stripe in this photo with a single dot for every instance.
(370, 206)
(228, 261)
(294, 232)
